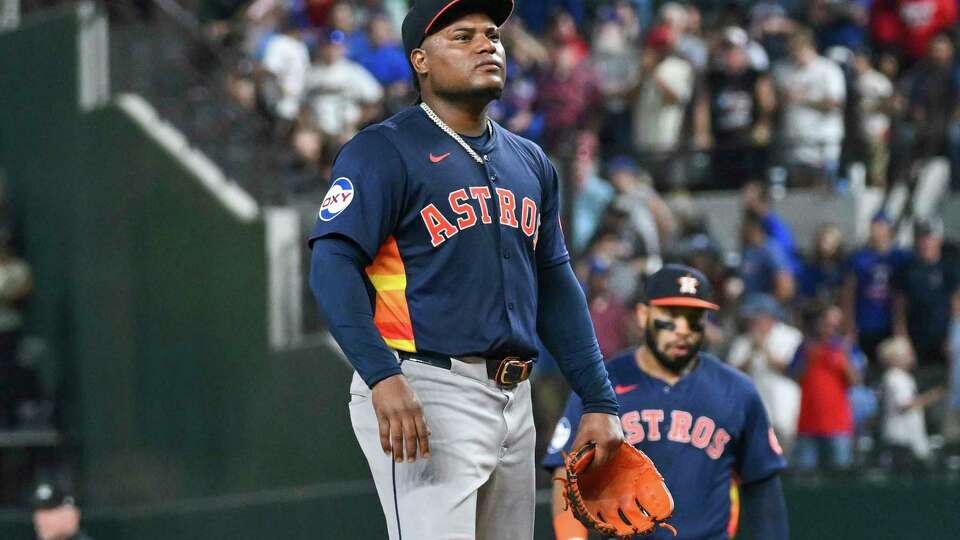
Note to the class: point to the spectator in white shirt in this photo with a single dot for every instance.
(665, 89)
(765, 352)
(685, 22)
(812, 92)
(341, 96)
(285, 64)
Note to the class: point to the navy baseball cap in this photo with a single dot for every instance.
(679, 285)
(47, 496)
(426, 17)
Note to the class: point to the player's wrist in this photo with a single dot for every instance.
(604, 408)
(378, 377)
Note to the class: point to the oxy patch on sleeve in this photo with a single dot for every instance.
(337, 199)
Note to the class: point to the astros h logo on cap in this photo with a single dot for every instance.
(679, 285)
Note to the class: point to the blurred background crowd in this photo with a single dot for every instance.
(701, 95)
(641, 103)
(853, 341)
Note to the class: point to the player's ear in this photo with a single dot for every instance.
(418, 59)
(641, 313)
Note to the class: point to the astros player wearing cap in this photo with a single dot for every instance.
(701, 421)
(437, 261)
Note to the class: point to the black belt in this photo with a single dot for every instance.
(505, 371)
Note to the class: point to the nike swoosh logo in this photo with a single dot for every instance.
(623, 389)
(438, 159)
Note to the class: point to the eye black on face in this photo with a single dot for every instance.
(694, 316)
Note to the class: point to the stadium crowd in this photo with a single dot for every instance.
(850, 345)
(703, 95)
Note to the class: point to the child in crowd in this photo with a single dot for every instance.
(904, 430)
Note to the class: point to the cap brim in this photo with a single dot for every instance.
(684, 301)
(499, 11)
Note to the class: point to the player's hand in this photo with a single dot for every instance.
(605, 430)
(403, 428)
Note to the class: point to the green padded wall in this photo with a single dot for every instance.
(153, 296)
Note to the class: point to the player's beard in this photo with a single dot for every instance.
(675, 365)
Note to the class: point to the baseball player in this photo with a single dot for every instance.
(437, 260)
(701, 421)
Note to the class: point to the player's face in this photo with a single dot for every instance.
(674, 335)
(465, 59)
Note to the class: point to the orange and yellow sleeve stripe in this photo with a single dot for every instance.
(734, 524)
(391, 313)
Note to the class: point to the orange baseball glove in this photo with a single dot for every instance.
(627, 496)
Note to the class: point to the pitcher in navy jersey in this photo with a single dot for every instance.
(438, 262)
(701, 421)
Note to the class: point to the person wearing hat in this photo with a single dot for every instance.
(686, 408)
(439, 264)
(55, 514)
(764, 352)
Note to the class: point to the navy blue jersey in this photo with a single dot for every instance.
(706, 434)
(454, 246)
(875, 273)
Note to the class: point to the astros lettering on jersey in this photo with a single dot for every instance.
(422, 210)
(707, 433)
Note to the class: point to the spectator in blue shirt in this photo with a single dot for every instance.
(756, 199)
(867, 295)
(764, 267)
(384, 58)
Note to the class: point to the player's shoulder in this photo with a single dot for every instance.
(400, 124)
(522, 145)
(382, 141)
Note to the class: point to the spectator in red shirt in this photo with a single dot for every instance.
(825, 373)
(909, 25)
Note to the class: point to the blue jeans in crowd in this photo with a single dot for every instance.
(838, 450)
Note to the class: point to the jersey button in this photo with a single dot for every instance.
(493, 177)
(506, 254)
(510, 306)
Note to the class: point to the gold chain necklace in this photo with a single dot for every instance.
(456, 136)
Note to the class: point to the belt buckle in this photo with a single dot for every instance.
(512, 370)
